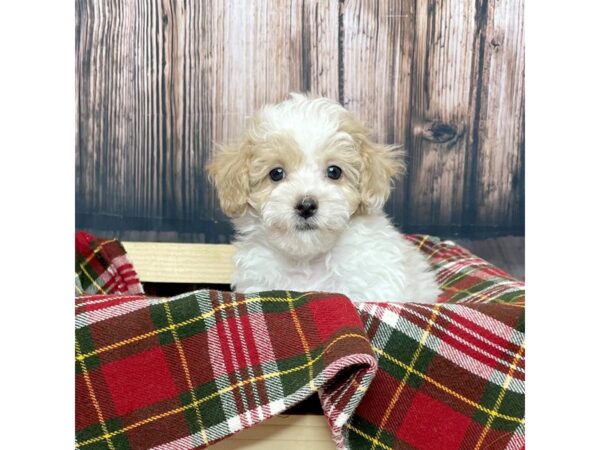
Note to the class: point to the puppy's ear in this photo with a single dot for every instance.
(228, 171)
(380, 164)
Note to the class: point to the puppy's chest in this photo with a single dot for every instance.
(330, 274)
(319, 275)
(313, 276)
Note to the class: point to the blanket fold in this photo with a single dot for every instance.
(187, 371)
(103, 267)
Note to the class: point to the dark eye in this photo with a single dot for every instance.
(277, 174)
(334, 172)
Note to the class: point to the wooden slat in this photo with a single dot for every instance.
(165, 262)
(498, 198)
(283, 432)
(320, 48)
(444, 82)
(377, 58)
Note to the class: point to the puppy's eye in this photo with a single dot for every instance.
(334, 172)
(277, 174)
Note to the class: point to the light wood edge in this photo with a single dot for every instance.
(283, 432)
(169, 262)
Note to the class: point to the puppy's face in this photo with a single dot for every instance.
(302, 170)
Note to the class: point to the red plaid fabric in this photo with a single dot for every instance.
(450, 376)
(187, 371)
(103, 267)
(466, 278)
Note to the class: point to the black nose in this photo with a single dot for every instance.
(307, 207)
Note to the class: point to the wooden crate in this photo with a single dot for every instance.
(159, 262)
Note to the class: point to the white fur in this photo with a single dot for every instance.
(370, 261)
(348, 249)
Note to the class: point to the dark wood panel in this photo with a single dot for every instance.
(160, 81)
(444, 81)
(499, 148)
(378, 40)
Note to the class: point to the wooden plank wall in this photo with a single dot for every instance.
(160, 81)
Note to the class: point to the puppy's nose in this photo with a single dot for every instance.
(307, 207)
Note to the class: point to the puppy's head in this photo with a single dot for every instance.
(303, 168)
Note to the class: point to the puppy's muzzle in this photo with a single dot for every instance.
(307, 207)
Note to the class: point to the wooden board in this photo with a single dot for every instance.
(283, 432)
(162, 262)
(444, 72)
(377, 60)
(499, 170)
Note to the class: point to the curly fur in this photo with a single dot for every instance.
(349, 245)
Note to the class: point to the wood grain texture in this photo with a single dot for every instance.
(159, 82)
(444, 78)
(283, 432)
(377, 59)
(500, 166)
(169, 262)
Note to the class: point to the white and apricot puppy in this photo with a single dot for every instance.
(305, 187)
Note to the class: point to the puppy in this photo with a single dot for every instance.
(305, 188)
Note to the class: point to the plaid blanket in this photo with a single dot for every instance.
(102, 266)
(187, 371)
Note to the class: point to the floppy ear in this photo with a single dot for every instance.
(228, 171)
(380, 164)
